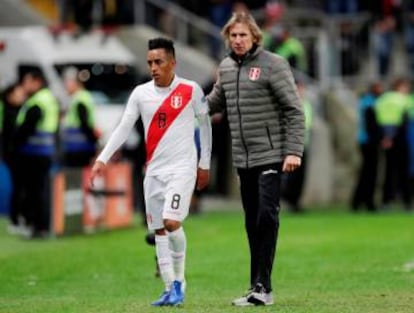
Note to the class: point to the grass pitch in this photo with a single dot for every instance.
(326, 262)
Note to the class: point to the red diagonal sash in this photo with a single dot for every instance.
(166, 115)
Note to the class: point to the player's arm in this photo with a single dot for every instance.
(118, 137)
(216, 98)
(201, 109)
(203, 171)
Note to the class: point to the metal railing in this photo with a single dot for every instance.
(183, 24)
(323, 34)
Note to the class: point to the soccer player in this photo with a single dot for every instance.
(168, 106)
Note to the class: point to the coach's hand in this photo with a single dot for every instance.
(291, 163)
(203, 178)
(97, 170)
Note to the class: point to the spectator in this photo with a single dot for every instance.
(335, 7)
(291, 49)
(391, 113)
(79, 136)
(13, 98)
(218, 13)
(220, 153)
(78, 11)
(368, 142)
(272, 24)
(292, 185)
(1, 126)
(349, 50)
(410, 137)
(408, 20)
(37, 124)
(385, 17)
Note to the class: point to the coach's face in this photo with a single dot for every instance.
(161, 66)
(240, 39)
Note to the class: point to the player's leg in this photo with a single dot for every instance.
(177, 202)
(154, 199)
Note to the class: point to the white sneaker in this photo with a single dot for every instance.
(21, 230)
(261, 299)
(242, 301)
(13, 229)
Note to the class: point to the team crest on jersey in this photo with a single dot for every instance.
(254, 73)
(176, 101)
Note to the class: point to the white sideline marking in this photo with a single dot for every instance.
(409, 266)
(406, 267)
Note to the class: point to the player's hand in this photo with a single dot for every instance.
(203, 178)
(97, 170)
(291, 163)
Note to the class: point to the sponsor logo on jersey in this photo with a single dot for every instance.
(254, 73)
(176, 101)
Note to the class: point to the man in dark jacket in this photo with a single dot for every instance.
(368, 142)
(13, 98)
(35, 147)
(257, 90)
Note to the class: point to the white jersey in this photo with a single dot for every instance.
(168, 115)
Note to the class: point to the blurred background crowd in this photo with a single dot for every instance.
(353, 62)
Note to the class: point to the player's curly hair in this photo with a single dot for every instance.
(243, 18)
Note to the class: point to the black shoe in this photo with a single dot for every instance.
(39, 234)
(259, 296)
(150, 239)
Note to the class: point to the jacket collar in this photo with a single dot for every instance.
(252, 53)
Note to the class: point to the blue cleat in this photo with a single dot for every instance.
(176, 296)
(163, 300)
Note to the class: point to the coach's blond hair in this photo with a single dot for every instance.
(242, 18)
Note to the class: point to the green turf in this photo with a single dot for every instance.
(327, 262)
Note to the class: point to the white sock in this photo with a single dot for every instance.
(164, 260)
(178, 245)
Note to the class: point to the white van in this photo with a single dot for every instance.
(108, 66)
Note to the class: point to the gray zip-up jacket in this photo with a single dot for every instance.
(263, 108)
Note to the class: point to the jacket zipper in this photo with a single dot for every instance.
(269, 137)
(238, 111)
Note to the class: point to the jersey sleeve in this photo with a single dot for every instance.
(122, 131)
(201, 112)
(199, 101)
